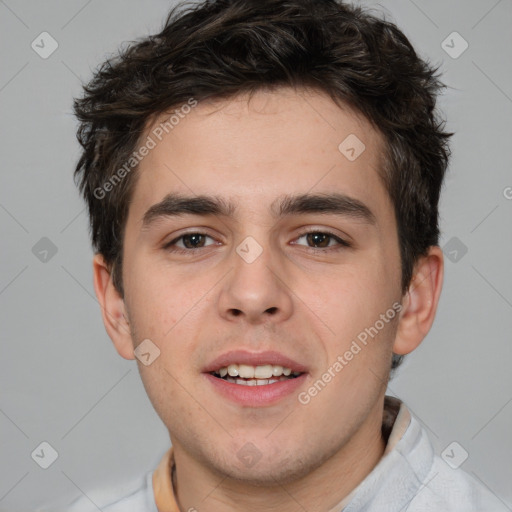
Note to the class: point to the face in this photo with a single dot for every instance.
(253, 240)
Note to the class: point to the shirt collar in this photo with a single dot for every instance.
(396, 420)
(163, 490)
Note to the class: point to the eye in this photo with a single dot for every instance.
(320, 240)
(191, 241)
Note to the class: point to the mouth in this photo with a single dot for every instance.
(261, 375)
(255, 379)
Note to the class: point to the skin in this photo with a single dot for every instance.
(307, 303)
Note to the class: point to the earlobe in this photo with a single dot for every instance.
(420, 302)
(113, 308)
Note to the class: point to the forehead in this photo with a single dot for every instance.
(253, 148)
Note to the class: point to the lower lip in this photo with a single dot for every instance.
(256, 396)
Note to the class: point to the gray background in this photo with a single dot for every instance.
(61, 379)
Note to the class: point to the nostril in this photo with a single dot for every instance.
(236, 312)
(271, 311)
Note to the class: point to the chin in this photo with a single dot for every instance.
(269, 471)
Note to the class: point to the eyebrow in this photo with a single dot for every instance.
(174, 205)
(339, 204)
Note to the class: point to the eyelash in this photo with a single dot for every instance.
(170, 246)
(341, 243)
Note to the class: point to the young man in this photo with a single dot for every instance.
(263, 181)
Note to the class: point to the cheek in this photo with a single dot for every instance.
(347, 308)
(350, 297)
(358, 366)
(165, 386)
(162, 301)
(169, 309)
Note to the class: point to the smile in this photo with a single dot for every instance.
(261, 375)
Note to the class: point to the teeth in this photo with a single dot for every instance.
(233, 370)
(277, 371)
(255, 382)
(245, 371)
(262, 372)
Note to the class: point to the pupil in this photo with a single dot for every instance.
(193, 241)
(318, 239)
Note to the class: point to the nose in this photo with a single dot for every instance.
(255, 292)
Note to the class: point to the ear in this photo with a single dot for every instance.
(420, 302)
(113, 308)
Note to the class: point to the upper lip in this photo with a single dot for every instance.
(253, 359)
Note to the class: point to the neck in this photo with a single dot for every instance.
(198, 487)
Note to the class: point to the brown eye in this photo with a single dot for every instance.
(321, 240)
(193, 241)
(318, 239)
(190, 241)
